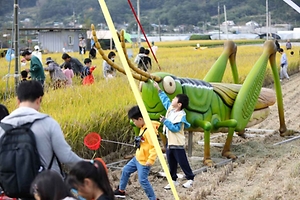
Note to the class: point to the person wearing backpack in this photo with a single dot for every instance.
(147, 61)
(30, 141)
(139, 58)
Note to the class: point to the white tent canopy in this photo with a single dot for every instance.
(101, 34)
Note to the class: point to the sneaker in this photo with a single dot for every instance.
(188, 184)
(168, 187)
(119, 194)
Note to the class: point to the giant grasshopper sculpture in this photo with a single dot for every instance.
(215, 106)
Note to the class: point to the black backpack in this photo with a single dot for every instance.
(19, 160)
(3, 111)
(143, 63)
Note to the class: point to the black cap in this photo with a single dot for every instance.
(65, 56)
(87, 60)
(48, 60)
(26, 52)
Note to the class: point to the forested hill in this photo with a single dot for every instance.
(169, 12)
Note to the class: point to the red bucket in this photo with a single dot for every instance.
(92, 141)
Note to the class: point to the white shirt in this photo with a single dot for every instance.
(154, 49)
(38, 54)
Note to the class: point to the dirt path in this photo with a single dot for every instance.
(264, 172)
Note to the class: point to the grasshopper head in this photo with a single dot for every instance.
(150, 96)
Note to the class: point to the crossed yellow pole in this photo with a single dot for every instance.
(137, 96)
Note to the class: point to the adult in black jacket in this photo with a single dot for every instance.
(76, 65)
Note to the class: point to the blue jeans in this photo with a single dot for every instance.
(143, 171)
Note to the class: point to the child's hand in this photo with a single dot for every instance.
(162, 119)
(148, 164)
(155, 84)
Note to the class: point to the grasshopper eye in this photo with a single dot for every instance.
(141, 86)
(169, 85)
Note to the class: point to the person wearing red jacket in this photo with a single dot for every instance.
(87, 72)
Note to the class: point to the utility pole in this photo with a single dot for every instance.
(219, 20)
(139, 30)
(74, 18)
(226, 22)
(270, 24)
(159, 31)
(267, 19)
(16, 42)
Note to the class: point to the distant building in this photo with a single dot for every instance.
(294, 34)
(252, 24)
(229, 23)
(56, 39)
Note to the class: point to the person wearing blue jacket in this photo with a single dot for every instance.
(174, 124)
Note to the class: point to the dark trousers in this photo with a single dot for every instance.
(41, 82)
(175, 156)
(81, 50)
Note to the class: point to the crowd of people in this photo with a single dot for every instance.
(88, 179)
(62, 75)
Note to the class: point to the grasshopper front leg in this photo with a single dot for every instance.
(216, 124)
(231, 125)
(206, 126)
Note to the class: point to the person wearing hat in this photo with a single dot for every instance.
(36, 69)
(57, 76)
(37, 53)
(76, 65)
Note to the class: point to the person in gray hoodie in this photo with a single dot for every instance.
(57, 76)
(48, 134)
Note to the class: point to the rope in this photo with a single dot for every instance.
(10, 75)
(140, 25)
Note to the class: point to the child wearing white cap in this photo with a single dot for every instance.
(37, 53)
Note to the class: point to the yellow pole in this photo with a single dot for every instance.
(137, 96)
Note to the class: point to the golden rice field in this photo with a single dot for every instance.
(103, 106)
